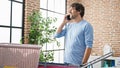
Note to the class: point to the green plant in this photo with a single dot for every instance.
(44, 57)
(41, 32)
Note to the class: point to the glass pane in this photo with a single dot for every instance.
(16, 35)
(51, 14)
(43, 4)
(44, 13)
(4, 35)
(44, 47)
(51, 5)
(50, 46)
(60, 6)
(58, 16)
(54, 46)
(4, 12)
(57, 6)
(17, 14)
(58, 56)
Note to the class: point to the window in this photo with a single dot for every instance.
(11, 22)
(54, 8)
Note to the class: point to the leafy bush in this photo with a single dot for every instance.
(41, 32)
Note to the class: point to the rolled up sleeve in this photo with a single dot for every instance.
(89, 36)
(61, 34)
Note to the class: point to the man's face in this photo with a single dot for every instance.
(73, 12)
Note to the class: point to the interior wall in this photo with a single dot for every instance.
(104, 15)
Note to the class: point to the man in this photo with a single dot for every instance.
(78, 35)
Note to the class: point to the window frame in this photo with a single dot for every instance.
(10, 27)
(47, 11)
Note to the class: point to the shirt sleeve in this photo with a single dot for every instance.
(61, 34)
(89, 35)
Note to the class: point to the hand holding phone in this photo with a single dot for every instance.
(68, 17)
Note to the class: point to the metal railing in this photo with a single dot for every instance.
(96, 60)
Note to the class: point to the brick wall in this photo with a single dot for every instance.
(30, 5)
(104, 15)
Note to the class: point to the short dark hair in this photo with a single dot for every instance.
(79, 7)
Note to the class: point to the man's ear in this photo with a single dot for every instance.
(79, 12)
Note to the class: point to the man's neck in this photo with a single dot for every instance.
(77, 19)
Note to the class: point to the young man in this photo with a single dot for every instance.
(78, 35)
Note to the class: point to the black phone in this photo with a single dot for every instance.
(68, 17)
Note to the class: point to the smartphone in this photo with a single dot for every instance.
(68, 17)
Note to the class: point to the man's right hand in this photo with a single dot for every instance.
(65, 19)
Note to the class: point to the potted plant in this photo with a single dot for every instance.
(41, 32)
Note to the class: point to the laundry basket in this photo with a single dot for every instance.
(19, 55)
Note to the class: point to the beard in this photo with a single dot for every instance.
(73, 16)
